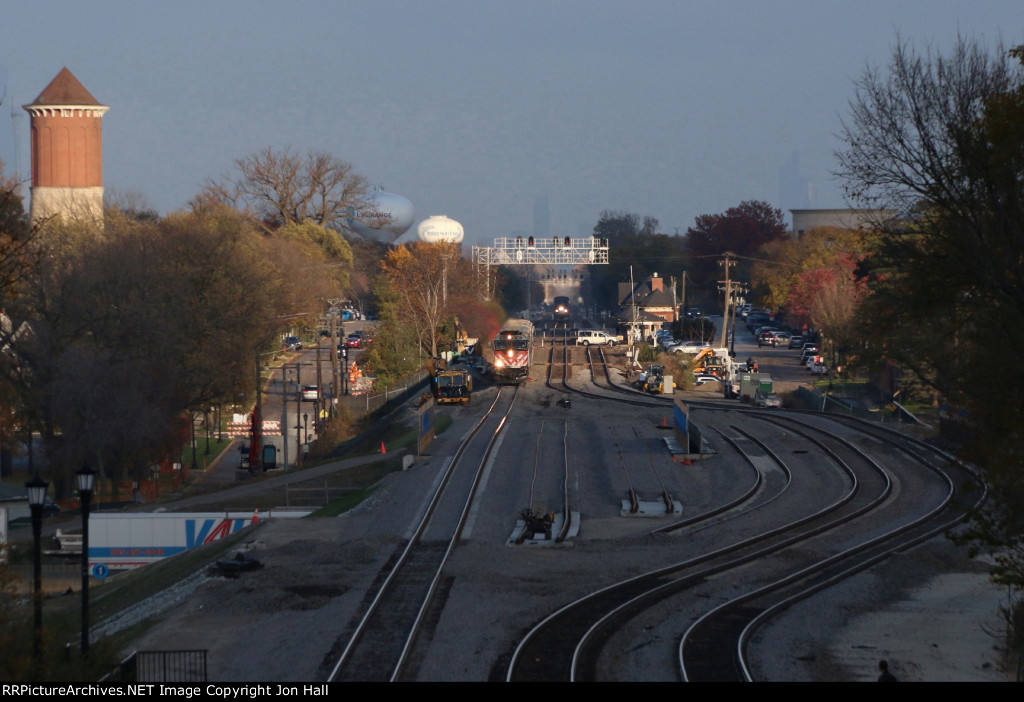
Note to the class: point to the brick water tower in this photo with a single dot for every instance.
(67, 151)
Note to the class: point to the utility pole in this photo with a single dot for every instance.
(682, 316)
(298, 415)
(256, 448)
(727, 262)
(335, 366)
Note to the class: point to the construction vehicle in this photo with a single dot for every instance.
(450, 386)
(654, 379)
(710, 362)
(463, 343)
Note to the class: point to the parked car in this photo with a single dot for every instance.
(353, 342)
(809, 351)
(586, 337)
(292, 343)
(704, 379)
(767, 399)
(796, 342)
(309, 392)
(687, 347)
(818, 368)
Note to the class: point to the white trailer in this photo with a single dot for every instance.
(124, 541)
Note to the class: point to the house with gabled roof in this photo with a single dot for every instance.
(646, 306)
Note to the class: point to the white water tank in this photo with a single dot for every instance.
(382, 216)
(440, 228)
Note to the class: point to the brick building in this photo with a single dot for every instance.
(67, 151)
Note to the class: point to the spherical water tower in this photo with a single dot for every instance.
(382, 217)
(440, 228)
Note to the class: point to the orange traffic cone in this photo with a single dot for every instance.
(382, 449)
(664, 421)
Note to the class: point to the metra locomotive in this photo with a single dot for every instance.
(561, 309)
(512, 351)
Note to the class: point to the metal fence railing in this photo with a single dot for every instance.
(161, 666)
(390, 397)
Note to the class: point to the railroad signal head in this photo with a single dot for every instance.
(530, 241)
(568, 242)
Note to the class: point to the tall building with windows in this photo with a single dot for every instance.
(67, 151)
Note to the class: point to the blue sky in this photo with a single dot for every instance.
(474, 109)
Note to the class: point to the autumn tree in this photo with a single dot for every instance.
(417, 274)
(828, 298)
(940, 139)
(742, 230)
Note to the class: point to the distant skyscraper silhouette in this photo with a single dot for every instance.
(795, 191)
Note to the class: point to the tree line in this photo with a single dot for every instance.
(118, 332)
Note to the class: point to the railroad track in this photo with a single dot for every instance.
(583, 639)
(384, 636)
(536, 513)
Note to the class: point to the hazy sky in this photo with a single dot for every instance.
(475, 108)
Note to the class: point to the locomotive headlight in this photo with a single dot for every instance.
(498, 363)
(510, 352)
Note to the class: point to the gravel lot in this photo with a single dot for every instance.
(931, 612)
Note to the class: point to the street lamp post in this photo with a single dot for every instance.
(86, 482)
(36, 498)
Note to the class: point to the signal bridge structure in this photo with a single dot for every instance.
(556, 251)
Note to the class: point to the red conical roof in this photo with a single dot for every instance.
(65, 90)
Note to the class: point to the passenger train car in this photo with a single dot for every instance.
(511, 348)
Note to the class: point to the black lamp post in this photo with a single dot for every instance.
(36, 498)
(86, 482)
(305, 426)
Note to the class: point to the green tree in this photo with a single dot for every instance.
(940, 139)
